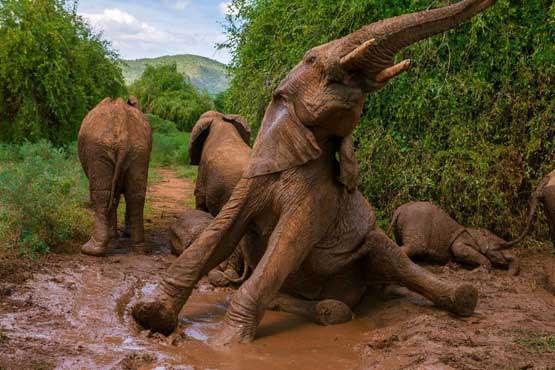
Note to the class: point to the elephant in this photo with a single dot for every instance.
(425, 230)
(219, 146)
(316, 243)
(114, 145)
(544, 193)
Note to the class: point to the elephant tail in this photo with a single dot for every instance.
(393, 223)
(120, 159)
(536, 197)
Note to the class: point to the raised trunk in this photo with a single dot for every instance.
(393, 34)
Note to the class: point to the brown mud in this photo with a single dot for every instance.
(71, 312)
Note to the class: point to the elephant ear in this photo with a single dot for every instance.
(481, 239)
(241, 125)
(198, 136)
(282, 143)
(348, 164)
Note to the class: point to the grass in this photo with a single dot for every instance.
(539, 343)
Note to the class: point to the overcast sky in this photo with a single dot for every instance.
(147, 29)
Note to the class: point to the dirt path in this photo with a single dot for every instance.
(73, 314)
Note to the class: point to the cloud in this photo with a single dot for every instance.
(177, 4)
(227, 8)
(120, 27)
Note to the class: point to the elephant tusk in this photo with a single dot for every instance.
(388, 73)
(355, 55)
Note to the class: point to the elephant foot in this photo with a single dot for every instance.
(94, 248)
(157, 312)
(221, 279)
(332, 312)
(231, 334)
(463, 302)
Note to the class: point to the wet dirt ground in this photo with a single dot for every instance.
(72, 313)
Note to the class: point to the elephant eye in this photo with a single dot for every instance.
(311, 59)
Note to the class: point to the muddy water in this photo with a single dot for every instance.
(83, 311)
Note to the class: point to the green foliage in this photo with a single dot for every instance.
(53, 69)
(161, 125)
(170, 149)
(204, 73)
(470, 126)
(42, 193)
(166, 93)
(539, 343)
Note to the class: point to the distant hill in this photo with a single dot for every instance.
(205, 73)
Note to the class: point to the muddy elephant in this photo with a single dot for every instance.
(317, 244)
(114, 146)
(219, 146)
(545, 194)
(424, 230)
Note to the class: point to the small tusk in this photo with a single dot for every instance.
(388, 73)
(356, 54)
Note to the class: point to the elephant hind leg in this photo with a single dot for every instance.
(325, 312)
(388, 263)
(135, 184)
(103, 225)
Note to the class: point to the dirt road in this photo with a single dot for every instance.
(72, 313)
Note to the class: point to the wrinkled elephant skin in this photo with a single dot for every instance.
(114, 146)
(425, 230)
(315, 236)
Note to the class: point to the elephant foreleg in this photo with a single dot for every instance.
(466, 254)
(387, 262)
(159, 310)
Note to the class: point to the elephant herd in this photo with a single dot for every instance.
(284, 220)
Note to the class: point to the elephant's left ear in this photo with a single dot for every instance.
(282, 143)
(348, 164)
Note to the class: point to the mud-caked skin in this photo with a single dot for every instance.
(219, 146)
(544, 194)
(114, 146)
(424, 230)
(315, 236)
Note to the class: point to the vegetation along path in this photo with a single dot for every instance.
(72, 313)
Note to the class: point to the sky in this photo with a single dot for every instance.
(149, 29)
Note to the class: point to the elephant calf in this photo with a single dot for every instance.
(425, 230)
(219, 146)
(114, 145)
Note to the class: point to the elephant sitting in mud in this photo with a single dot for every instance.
(425, 230)
(114, 146)
(544, 193)
(316, 241)
(219, 146)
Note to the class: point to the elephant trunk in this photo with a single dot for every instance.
(529, 221)
(376, 44)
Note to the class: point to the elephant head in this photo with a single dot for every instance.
(202, 128)
(491, 246)
(322, 98)
(187, 228)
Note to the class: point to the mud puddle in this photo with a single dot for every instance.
(73, 314)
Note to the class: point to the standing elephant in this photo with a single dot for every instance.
(544, 193)
(425, 230)
(114, 147)
(219, 146)
(317, 242)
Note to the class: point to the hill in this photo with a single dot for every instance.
(205, 74)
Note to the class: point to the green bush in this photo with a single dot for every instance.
(42, 193)
(170, 149)
(161, 125)
(470, 126)
(53, 69)
(166, 93)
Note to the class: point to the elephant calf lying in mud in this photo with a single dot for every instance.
(425, 230)
(219, 146)
(114, 145)
(315, 243)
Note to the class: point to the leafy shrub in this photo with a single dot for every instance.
(170, 149)
(42, 192)
(470, 126)
(161, 125)
(166, 93)
(53, 69)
